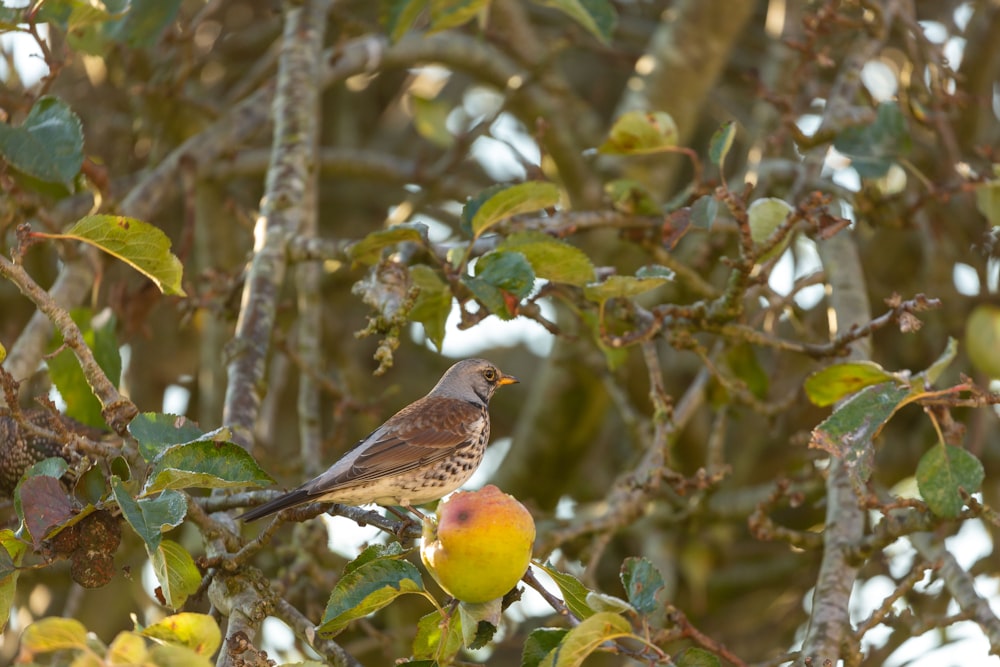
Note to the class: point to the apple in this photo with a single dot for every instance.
(982, 338)
(479, 546)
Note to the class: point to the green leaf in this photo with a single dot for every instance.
(741, 359)
(197, 632)
(704, 211)
(598, 17)
(400, 16)
(614, 356)
(848, 433)
(53, 634)
(372, 553)
(631, 197)
(573, 592)
(433, 303)
(474, 203)
(64, 368)
(551, 259)
(766, 216)
(939, 366)
(696, 657)
(642, 582)
(144, 22)
(103, 340)
(539, 644)
(502, 279)
(439, 637)
(85, 15)
(942, 471)
(48, 145)
(988, 199)
(369, 249)
(585, 638)
(640, 133)
(622, 287)
(498, 203)
(90, 487)
(10, 17)
(367, 589)
(54, 466)
(875, 147)
(7, 567)
(721, 142)
(139, 244)
(156, 432)
(446, 14)
(86, 25)
(828, 385)
(177, 573)
(206, 463)
(508, 271)
(150, 517)
(11, 552)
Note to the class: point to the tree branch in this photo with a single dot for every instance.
(961, 586)
(287, 198)
(293, 154)
(529, 100)
(71, 287)
(687, 52)
(116, 410)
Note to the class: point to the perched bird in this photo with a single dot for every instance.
(423, 452)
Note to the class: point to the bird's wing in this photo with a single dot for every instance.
(417, 435)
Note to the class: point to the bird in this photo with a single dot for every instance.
(420, 454)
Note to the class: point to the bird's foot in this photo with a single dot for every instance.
(407, 522)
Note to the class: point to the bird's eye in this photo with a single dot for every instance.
(490, 374)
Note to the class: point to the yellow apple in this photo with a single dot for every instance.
(480, 545)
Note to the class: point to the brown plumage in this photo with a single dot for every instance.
(423, 452)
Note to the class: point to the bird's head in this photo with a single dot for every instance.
(470, 379)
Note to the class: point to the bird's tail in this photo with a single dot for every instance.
(291, 499)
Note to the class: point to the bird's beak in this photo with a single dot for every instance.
(508, 379)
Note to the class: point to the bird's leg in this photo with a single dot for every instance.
(414, 510)
(407, 520)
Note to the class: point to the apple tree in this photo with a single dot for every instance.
(743, 256)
